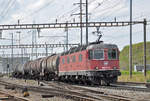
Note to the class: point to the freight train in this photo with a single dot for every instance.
(96, 63)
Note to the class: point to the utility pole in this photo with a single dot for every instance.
(145, 23)
(130, 50)
(66, 30)
(81, 21)
(0, 34)
(22, 54)
(51, 50)
(67, 39)
(11, 53)
(19, 32)
(3, 53)
(86, 22)
(36, 42)
(32, 44)
(81, 13)
(46, 49)
(64, 46)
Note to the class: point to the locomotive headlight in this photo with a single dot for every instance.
(115, 68)
(96, 68)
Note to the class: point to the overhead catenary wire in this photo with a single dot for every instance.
(36, 11)
(67, 12)
(106, 10)
(43, 7)
(5, 7)
(58, 17)
(9, 6)
(70, 12)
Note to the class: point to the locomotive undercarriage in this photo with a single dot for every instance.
(34, 75)
(81, 77)
(90, 77)
(48, 76)
(17, 74)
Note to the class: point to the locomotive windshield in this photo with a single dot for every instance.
(112, 54)
(96, 54)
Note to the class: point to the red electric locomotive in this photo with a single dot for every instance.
(97, 63)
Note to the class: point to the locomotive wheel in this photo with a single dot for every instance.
(72, 80)
(115, 79)
(105, 82)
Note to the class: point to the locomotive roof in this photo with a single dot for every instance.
(100, 45)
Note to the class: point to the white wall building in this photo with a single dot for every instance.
(140, 68)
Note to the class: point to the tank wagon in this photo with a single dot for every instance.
(50, 67)
(17, 70)
(26, 70)
(96, 63)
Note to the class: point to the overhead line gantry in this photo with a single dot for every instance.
(37, 46)
(68, 25)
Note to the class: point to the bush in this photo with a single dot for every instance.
(148, 80)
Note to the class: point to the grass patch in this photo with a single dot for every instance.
(136, 77)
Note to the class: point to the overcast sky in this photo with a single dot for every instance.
(47, 11)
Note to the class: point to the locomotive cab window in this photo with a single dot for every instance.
(98, 54)
(74, 59)
(90, 54)
(112, 54)
(68, 60)
(63, 61)
(80, 57)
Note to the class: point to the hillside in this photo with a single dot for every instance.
(138, 54)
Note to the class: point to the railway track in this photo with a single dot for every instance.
(4, 96)
(72, 92)
(118, 86)
(128, 87)
(55, 92)
(134, 84)
(80, 89)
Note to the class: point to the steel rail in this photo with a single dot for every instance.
(131, 83)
